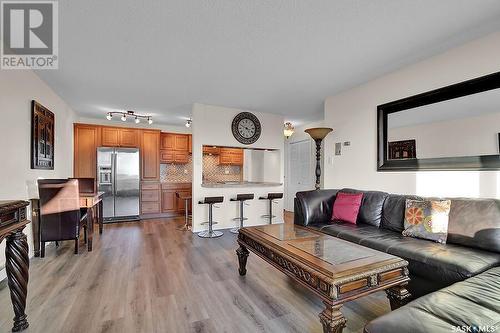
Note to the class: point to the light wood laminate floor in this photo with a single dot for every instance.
(149, 277)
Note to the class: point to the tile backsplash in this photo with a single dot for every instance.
(213, 172)
(177, 173)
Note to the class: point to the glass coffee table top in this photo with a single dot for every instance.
(286, 231)
(329, 249)
(333, 250)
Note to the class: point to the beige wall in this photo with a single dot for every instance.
(353, 113)
(17, 89)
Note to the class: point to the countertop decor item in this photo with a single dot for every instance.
(318, 134)
(246, 128)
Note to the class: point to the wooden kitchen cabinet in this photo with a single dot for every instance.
(110, 137)
(167, 141)
(129, 137)
(174, 148)
(168, 201)
(86, 141)
(150, 159)
(119, 137)
(181, 157)
(173, 141)
(211, 150)
(231, 156)
(150, 198)
(190, 143)
(181, 142)
(167, 156)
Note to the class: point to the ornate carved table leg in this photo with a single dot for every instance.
(332, 319)
(398, 296)
(17, 267)
(242, 253)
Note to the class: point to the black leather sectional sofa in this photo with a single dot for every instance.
(473, 244)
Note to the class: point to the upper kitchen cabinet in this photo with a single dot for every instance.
(129, 137)
(190, 143)
(167, 141)
(150, 147)
(119, 137)
(231, 156)
(173, 141)
(181, 142)
(175, 148)
(86, 141)
(211, 150)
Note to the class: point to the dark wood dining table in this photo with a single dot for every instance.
(91, 202)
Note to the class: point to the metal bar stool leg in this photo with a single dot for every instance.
(186, 225)
(271, 211)
(210, 233)
(241, 219)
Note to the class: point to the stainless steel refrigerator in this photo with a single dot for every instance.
(118, 178)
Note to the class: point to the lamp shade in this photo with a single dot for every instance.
(318, 133)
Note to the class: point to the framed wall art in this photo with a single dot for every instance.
(42, 137)
(399, 150)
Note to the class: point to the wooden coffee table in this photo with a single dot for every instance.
(336, 270)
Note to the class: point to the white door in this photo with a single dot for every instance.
(300, 175)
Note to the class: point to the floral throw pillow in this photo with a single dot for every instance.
(427, 219)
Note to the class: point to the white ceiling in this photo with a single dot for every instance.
(278, 56)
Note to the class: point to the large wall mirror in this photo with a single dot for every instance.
(452, 128)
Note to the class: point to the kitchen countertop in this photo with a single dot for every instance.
(239, 184)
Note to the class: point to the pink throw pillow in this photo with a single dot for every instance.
(346, 207)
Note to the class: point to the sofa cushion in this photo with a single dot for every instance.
(355, 233)
(473, 302)
(346, 207)
(370, 211)
(427, 219)
(312, 207)
(445, 263)
(475, 223)
(393, 211)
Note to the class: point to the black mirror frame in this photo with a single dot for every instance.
(485, 162)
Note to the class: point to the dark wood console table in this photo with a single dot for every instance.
(12, 222)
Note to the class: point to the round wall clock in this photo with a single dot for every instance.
(246, 128)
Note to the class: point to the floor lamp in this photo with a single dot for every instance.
(318, 134)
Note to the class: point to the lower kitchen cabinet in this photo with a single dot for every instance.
(150, 198)
(168, 201)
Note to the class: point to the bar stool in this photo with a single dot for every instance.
(187, 217)
(210, 233)
(271, 197)
(241, 198)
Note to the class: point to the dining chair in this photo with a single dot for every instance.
(60, 217)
